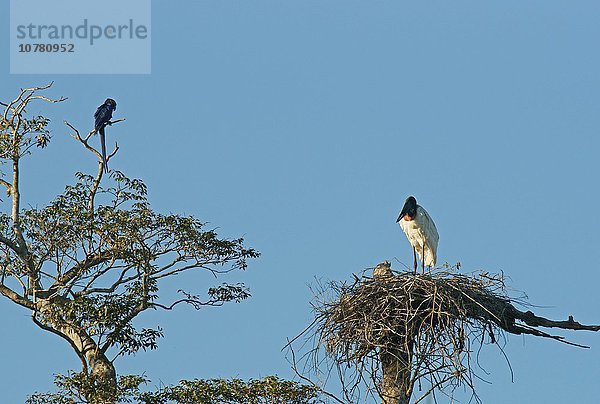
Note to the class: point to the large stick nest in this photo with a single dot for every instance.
(431, 323)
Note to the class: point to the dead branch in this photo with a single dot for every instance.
(85, 142)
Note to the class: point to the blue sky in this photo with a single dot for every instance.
(303, 126)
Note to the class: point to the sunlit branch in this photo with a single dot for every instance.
(63, 336)
(15, 297)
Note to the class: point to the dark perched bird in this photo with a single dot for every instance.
(102, 118)
(420, 231)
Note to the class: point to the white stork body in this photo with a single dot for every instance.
(420, 231)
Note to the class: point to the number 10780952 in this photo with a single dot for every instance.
(41, 47)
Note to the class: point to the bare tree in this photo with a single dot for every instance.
(386, 334)
(91, 261)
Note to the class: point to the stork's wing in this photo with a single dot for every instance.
(428, 226)
(430, 233)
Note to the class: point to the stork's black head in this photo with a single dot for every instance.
(111, 103)
(409, 209)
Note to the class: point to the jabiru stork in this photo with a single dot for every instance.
(420, 231)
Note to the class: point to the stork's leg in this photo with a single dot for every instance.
(423, 259)
(415, 259)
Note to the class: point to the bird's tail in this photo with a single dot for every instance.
(430, 258)
(427, 256)
(103, 142)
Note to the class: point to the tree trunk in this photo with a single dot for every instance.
(396, 358)
(104, 374)
(94, 362)
(395, 384)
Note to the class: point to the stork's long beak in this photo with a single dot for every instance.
(402, 214)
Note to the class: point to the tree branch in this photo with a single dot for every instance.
(535, 321)
(6, 184)
(294, 365)
(17, 298)
(99, 174)
(77, 269)
(63, 336)
(137, 310)
(84, 141)
(10, 244)
(532, 321)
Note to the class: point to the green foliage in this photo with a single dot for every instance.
(75, 388)
(270, 389)
(25, 134)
